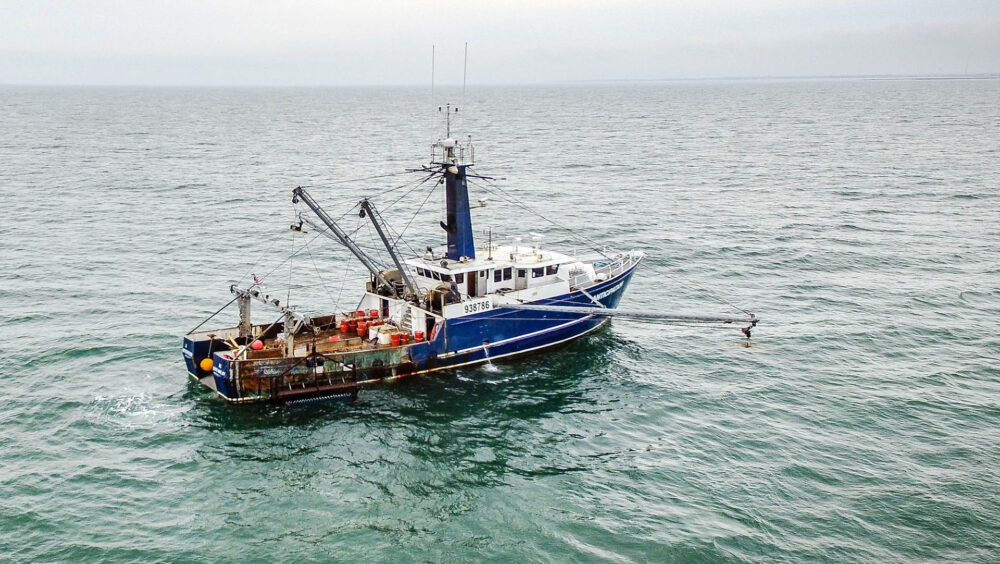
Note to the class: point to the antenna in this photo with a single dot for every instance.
(432, 74)
(465, 70)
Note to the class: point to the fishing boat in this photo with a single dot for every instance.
(459, 305)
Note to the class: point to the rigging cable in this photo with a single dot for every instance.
(321, 279)
(512, 199)
(681, 281)
(217, 312)
(349, 210)
(399, 236)
(394, 202)
(288, 297)
(357, 179)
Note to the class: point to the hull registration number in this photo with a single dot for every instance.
(476, 307)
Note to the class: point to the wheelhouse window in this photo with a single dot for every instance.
(460, 277)
(422, 272)
(446, 277)
(435, 275)
(497, 275)
(508, 273)
(482, 273)
(552, 269)
(537, 272)
(522, 273)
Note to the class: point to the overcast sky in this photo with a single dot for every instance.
(332, 42)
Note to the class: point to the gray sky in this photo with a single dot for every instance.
(332, 42)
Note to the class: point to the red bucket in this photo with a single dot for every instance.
(345, 326)
(404, 338)
(418, 337)
(373, 313)
(395, 339)
(362, 328)
(359, 313)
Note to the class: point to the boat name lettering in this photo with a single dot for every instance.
(608, 292)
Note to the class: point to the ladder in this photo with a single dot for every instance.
(406, 321)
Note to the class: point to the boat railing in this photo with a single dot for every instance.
(580, 280)
(605, 270)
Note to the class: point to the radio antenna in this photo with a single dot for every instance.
(432, 74)
(465, 70)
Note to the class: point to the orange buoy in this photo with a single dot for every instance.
(206, 364)
(256, 345)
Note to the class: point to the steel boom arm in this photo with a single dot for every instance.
(300, 193)
(370, 210)
(636, 313)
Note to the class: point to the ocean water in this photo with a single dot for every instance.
(857, 218)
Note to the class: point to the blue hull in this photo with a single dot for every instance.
(473, 339)
(503, 333)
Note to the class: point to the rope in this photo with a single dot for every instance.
(352, 233)
(329, 294)
(512, 199)
(217, 312)
(390, 190)
(288, 297)
(399, 236)
(343, 282)
(359, 179)
(708, 292)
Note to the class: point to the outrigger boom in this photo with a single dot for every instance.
(637, 313)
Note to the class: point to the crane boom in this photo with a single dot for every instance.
(300, 193)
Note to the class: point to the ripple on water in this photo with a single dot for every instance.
(855, 217)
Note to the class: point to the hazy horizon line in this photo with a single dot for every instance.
(993, 75)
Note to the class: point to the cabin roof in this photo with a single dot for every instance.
(504, 256)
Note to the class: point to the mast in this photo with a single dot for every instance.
(369, 209)
(461, 242)
(459, 226)
(300, 192)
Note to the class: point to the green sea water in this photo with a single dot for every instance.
(857, 218)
